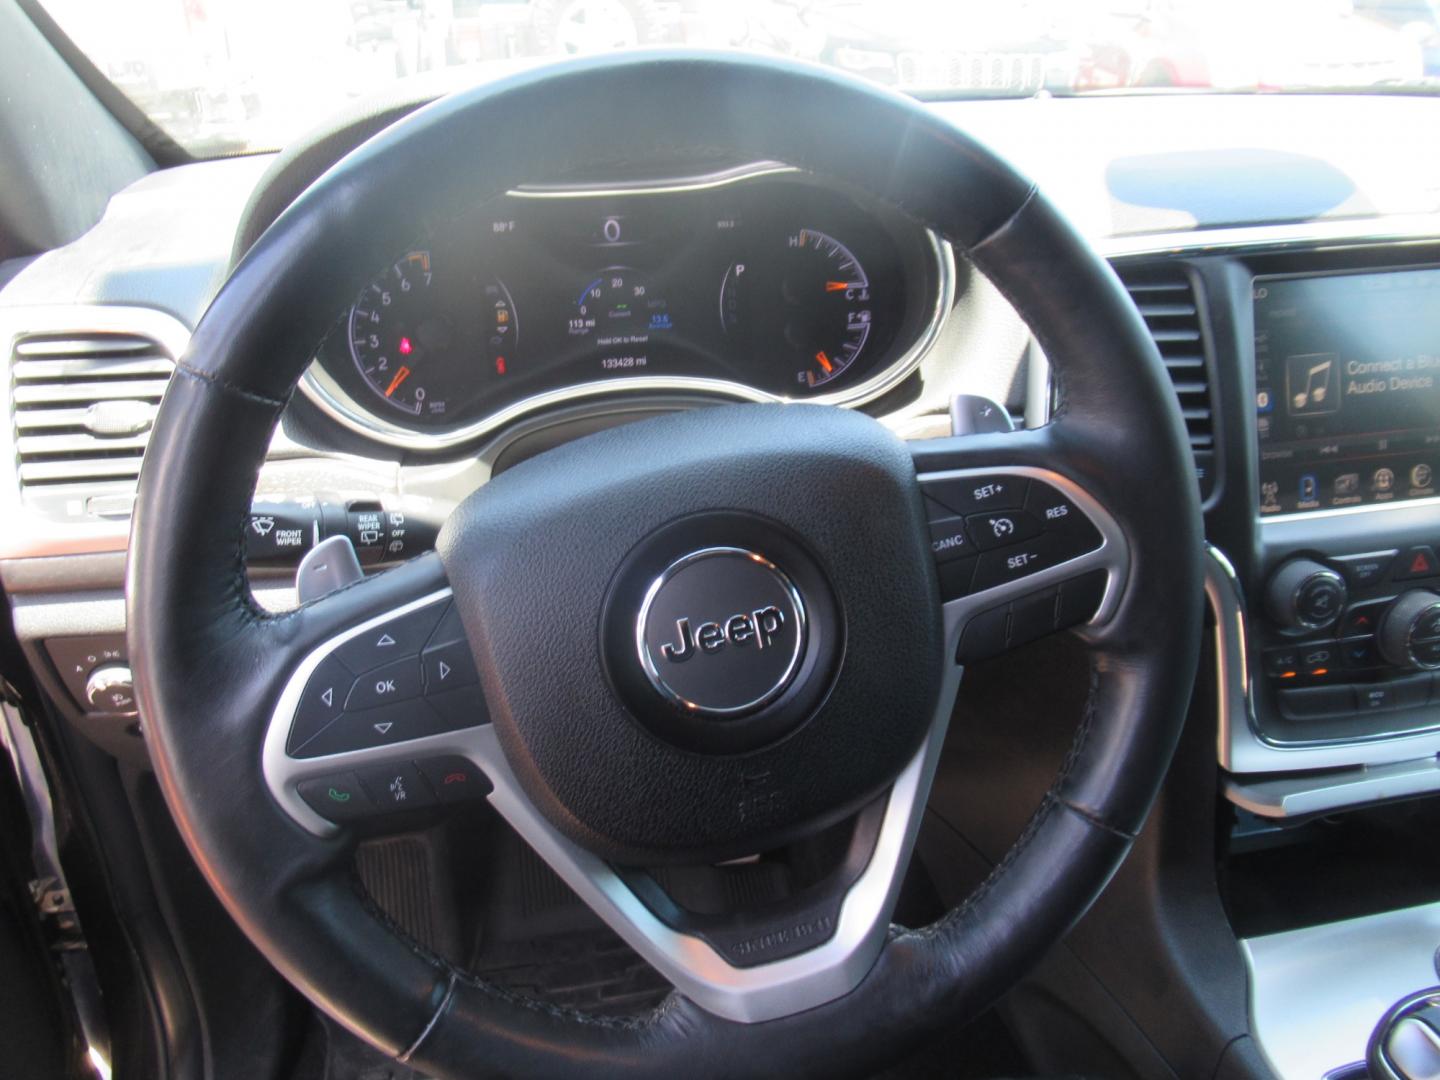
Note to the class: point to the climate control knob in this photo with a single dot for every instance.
(1304, 595)
(1409, 634)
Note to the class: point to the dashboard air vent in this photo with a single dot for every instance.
(1168, 303)
(82, 406)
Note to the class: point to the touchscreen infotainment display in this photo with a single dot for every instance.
(1347, 374)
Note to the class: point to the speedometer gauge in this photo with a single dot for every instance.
(417, 345)
(805, 305)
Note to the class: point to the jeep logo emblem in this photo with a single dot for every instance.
(758, 627)
(741, 661)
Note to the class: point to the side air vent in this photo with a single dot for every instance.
(1171, 310)
(82, 406)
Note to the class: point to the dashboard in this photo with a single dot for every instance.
(1302, 337)
(760, 283)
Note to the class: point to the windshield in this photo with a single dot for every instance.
(232, 76)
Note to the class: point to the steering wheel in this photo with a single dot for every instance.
(694, 637)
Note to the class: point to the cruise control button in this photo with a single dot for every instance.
(397, 681)
(1362, 571)
(1059, 513)
(397, 786)
(1418, 562)
(322, 701)
(336, 798)
(1002, 527)
(972, 494)
(448, 667)
(391, 640)
(1012, 563)
(948, 540)
(454, 779)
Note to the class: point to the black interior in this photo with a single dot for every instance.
(1110, 829)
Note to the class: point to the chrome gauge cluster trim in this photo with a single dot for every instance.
(331, 399)
(745, 995)
(1112, 556)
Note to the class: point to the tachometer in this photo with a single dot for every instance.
(805, 305)
(425, 356)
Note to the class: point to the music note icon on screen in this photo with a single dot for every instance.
(1312, 384)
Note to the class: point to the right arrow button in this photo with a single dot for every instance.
(447, 667)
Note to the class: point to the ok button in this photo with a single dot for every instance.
(396, 681)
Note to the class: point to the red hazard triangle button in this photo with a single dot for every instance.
(1416, 563)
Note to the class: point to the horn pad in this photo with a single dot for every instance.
(706, 634)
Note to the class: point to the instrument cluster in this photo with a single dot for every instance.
(760, 284)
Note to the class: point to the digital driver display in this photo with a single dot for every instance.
(1347, 373)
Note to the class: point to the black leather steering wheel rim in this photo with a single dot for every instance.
(208, 662)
